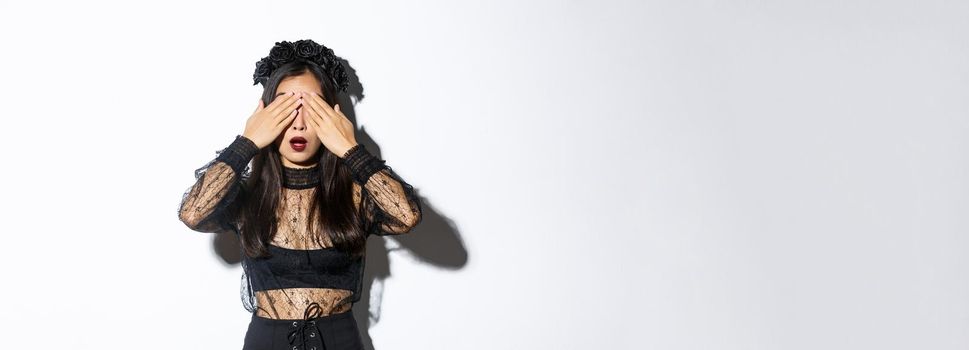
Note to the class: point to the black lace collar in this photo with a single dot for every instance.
(301, 178)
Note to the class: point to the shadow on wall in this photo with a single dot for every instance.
(434, 241)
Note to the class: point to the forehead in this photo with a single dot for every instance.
(304, 82)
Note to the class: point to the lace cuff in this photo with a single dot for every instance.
(239, 153)
(362, 163)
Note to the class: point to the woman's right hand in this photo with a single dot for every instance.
(266, 123)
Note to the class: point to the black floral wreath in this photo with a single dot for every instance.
(285, 51)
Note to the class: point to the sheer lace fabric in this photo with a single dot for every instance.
(210, 205)
(204, 206)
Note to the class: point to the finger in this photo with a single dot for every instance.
(288, 104)
(276, 101)
(284, 111)
(317, 112)
(285, 122)
(343, 118)
(322, 106)
(279, 105)
(336, 115)
(258, 106)
(315, 123)
(315, 116)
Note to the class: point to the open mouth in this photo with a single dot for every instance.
(297, 143)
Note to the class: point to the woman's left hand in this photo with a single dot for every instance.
(332, 127)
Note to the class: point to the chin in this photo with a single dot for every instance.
(306, 156)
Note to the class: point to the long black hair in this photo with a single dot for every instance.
(260, 194)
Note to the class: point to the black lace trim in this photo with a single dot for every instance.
(301, 178)
(362, 163)
(238, 154)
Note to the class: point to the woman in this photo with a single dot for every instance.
(305, 210)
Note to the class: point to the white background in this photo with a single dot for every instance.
(596, 174)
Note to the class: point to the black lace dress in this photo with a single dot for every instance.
(306, 276)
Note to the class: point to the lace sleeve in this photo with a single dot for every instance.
(389, 203)
(209, 205)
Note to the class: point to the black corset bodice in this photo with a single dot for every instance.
(304, 268)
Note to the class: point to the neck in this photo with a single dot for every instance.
(296, 177)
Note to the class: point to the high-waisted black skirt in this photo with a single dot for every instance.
(330, 332)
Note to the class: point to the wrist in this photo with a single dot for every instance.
(238, 154)
(347, 150)
(362, 163)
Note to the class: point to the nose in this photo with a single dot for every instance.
(298, 122)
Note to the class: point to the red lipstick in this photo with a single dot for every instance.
(297, 143)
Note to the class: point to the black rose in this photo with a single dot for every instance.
(282, 52)
(263, 67)
(307, 48)
(323, 60)
(340, 75)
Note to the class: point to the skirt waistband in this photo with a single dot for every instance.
(306, 331)
(307, 317)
